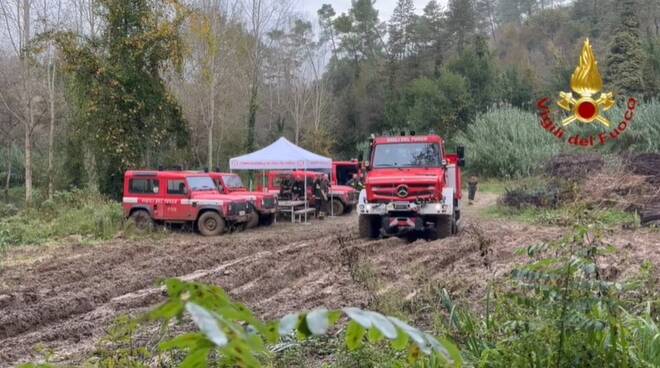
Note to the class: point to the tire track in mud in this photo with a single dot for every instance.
(62, 301)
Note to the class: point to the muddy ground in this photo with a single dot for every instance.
(61, 299)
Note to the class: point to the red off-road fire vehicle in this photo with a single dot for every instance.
(264, 204)
(344, 198)
(181, 197)
(342, 171)
(413, 189)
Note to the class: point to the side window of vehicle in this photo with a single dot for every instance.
(176, 187)
(143, 186)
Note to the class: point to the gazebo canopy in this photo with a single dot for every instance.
(280, 155)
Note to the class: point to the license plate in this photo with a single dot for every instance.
(242, 213)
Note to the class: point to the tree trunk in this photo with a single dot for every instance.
(28, 165)
(252, 115)
(51, 131)
(28, 121)
(8, 179)
(211, 119)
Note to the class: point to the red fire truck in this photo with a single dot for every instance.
(413, 189)
(181, 197)
(264, 204)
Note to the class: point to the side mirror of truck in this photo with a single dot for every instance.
(460, 151)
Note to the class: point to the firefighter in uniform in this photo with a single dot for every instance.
(472, 188)
(355, 182)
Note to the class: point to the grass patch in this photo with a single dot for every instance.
(562, 216)
(79, 212)
(499, 186)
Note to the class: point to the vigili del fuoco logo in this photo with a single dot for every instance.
(586, 104)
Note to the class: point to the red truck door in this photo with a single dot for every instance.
(178, 206)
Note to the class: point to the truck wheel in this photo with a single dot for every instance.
(253, 220)
(368, 226)
(142, 220)
(337, 208)
(211, 224)
(267, 220)
(348, 209)
(444, 227)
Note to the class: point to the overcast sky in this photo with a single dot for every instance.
(384, 7)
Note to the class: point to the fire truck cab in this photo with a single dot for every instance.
(181, 197)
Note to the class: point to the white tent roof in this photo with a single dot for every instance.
(280, 155)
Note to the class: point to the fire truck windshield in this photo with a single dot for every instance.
(407, 155)
(200, 183)
(233, 181)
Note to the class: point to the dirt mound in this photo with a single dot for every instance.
(574, 167)
(647, 164)
(542, 197)
(633, 186)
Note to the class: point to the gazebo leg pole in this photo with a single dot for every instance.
(305, 187)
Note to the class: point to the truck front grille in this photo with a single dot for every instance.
(269, 202)
(236, 207)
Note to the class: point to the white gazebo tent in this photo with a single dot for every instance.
(281, 155)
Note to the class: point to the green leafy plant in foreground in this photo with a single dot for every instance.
(230, 334)
(559, 311)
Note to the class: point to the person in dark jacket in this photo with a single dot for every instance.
(325, 194)
(318, 203)
(472, 188)
(355, 182)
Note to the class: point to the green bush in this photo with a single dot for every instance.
(507, 142)
(558, 311)
(79, 212)
(643, 135)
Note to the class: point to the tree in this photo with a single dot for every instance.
(651, 69)
(125, 109)
(439, 105)
(514, 11)
(401, 29)
(487, 18)
(326, 15)
(262, 16)
(51, 86)
(477, 67)
(461, 21)
(17, 21)
(432, 35)
(625, 59)
(210, 25)
(516, 87)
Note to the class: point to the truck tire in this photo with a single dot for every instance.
(444, 228)
(211, 224)
(368, 226)
(267, 220)
(142, 220)
(253, 220)
(337, 208)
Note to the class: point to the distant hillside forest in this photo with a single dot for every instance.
(90, 88)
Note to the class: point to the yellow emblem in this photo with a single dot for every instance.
(586, 82)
